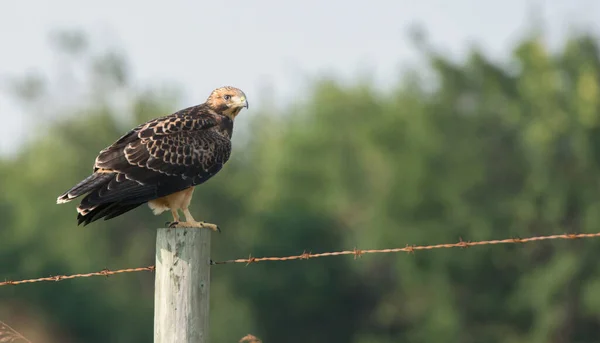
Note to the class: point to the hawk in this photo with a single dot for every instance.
(160, 162)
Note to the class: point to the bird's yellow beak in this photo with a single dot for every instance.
(243, 102)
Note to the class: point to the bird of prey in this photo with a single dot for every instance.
(160, 162)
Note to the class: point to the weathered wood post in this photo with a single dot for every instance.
(182, 285)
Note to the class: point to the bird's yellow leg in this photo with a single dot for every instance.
(175, 218)
(175, 215)
(191, 222)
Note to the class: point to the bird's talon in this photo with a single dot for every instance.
(172, 224)
(212, 227)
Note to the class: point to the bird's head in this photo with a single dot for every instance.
(228, 101)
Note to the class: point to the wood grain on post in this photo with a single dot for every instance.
(182, 285)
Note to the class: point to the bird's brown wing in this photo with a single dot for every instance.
(184, 147)
(160, 157)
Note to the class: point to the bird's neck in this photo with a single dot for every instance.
(231, 113)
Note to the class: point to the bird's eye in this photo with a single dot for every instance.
(227, 97)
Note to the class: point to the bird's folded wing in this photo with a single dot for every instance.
(164, 155)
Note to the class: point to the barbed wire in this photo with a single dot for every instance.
(306, 255)
(104, 272)
(411, 248)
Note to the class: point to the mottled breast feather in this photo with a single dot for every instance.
(172, 152)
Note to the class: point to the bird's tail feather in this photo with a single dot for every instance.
(86, 185)
(106, 210)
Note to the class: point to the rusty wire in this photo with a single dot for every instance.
(305, 256)
(104, 272)
(411, 248)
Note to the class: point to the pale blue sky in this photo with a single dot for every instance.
(200, 45)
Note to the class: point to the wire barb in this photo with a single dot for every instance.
(307, 255)
(357, 253)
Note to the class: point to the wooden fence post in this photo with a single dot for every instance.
(182, 285)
